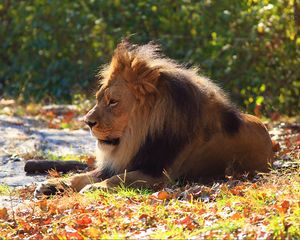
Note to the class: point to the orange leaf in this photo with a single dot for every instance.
(276, 146)
(68, 116)
(43, 205)
(50, 114)
(74, 235)
(47, 221)
(53, 125)
(90, 160)
(163, 195)
(247, 212)
(143, 216)
(236, 216)
(191, 226)
(255, 218)
(185, 220)
(84, 220)
(24, 224)
(188, 221)
(201, 211)
(54, 209)
(285, 206)
(238, 190)
(3, 213)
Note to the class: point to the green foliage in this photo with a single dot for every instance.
(51, 49)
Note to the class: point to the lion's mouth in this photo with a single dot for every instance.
(113, 141)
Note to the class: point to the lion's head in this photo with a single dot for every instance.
(124, 86)
(109, 118)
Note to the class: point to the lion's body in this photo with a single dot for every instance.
(153, 116)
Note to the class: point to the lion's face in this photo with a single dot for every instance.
(109, 118)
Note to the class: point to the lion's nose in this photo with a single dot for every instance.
(90, 124)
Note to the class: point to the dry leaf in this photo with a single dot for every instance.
(3, 213)
(43, 205)
(163, 195)
(84, 220)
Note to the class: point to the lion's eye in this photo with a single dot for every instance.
(112, 103)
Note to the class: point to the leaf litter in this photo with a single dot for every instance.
(267, 206)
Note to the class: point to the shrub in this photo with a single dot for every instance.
(52, 49)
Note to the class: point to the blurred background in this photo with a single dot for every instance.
(51, 50)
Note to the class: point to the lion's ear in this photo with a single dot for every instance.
(137, 71)
(121, 57)
(145, 77)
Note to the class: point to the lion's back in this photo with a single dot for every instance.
(249, 150)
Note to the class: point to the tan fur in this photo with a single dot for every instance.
(137, 79)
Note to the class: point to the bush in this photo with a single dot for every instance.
(52, 49)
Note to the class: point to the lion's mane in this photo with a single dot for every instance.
(175, 105)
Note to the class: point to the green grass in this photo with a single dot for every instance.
(51, 156)
(120, 192)
(68, 157)
(4, 190)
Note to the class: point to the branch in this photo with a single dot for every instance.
(42, 166)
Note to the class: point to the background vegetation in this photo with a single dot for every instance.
(50, 50)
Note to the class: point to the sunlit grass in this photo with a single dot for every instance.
(4, 189)
(68, 157)
(52, 156)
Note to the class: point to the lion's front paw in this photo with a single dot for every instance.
(93, 187)
(48, 188)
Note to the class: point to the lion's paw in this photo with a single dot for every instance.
(48, 188)
(93, 187)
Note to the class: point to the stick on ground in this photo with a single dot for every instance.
(42, 166)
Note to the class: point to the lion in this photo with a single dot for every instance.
(156, 121)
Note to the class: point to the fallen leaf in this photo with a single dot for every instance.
(84, 220)
(90, 160)
(47, 221)
(276, 146)
(68, 116)
(246, 212)
(185, 220)
(236, 216)
(201, 211)
(143, 216)
(285, 205)
(53, 125)
(72, 234)
(43, 205)
(163, 195)
(188, 222)
(25, 225)
(3, 213)
(50, 114)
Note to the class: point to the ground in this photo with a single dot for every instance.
(266, 206)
